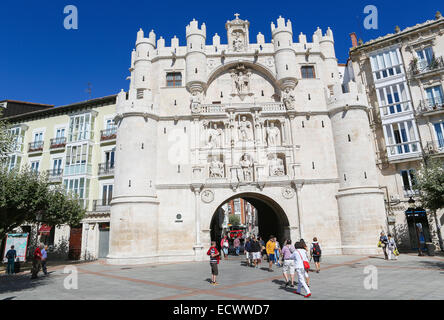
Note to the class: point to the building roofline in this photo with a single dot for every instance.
(391, 36)
(27, 102)
(60, 109)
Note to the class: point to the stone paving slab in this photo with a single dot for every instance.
(341, 277)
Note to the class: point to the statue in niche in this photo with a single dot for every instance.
(247, 168)
(216, 168)
(288, 99)
(214, 137)
(276, 166)
(241, 82)
(272, 135)
(238, 41)
(244, 129)
(195, 102)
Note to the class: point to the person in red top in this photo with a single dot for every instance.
(214, 261)
(36, 262)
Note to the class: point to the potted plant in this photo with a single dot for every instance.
(414, 65)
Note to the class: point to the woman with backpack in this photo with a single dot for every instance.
(316, 253)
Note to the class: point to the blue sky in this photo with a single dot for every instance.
(41, 61)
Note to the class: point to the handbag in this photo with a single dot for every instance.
(396, 252)
(306, 264)
(379, 244)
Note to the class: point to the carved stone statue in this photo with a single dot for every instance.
(244, 129)
(216, 168)
(247, 168)
(238, 41)
(288, 99)
(276, 166)
(241, 82)
(214, 137)
(272, 135)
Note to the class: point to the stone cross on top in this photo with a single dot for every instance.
(237, 16)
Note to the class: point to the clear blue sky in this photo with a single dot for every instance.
(40, 61)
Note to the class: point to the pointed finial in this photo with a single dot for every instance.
(438, 15)
(360, 42)
(397, 29)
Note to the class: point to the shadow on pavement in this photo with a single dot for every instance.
(433, 264)
(18, 282)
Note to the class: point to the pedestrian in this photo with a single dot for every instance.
(271, 245)
(299, 256)
(214, 261)
(11, 255)
(44, 257)
(262, 244)
(288, 263)
(307, 251)
(236, 244)
(383, 244)
(36, 262)
(247, 250)
(256, 248)
(277, 252)
(391, 247)
(224, 244)
(315, 250)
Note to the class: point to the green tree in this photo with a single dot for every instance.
(26, 196)
(234, 220)
(430, 183)
(6, 141)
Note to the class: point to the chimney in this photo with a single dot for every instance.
(354, 39)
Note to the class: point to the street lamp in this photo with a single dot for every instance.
(411, 202)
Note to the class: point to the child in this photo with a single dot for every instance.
(214, 261)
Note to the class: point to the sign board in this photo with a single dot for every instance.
(20, 243)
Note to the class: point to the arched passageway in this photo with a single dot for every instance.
(265, 219)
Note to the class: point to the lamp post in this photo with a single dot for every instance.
(411, 202)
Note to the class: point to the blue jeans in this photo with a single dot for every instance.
(237, 250)
(10, 268)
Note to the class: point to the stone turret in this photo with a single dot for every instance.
(284, 54)
(196, 59)
(360, 201)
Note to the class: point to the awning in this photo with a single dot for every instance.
(45, 230)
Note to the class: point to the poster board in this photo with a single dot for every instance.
(20, 243)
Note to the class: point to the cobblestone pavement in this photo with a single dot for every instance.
(341, 277)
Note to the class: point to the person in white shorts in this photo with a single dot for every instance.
(288, 263)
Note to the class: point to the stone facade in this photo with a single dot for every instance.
(202, 124)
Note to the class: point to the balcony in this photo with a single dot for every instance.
(106, 169)
(77, 169)
(108, 135)
(57, 144)
(101, 205)
(422, 68)
(55, 175)
(431, 105)
(435, 146)
(410, 192)
(35, 147)
(403, 150)
(221, 108)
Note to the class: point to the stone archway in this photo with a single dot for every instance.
(271, 218)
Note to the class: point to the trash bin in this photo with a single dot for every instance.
(430, 248)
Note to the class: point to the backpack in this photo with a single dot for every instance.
(316, 249)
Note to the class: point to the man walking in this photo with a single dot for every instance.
(214, 261)
(271, 245)
(11, 255)
(36, 262)
(247, 250)
(44, 257)
(288, 262)
(316, 253)
(383, 244)
(236, 244)
(256, 249)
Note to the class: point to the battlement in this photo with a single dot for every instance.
(352, 98)
(150, 40)
(281, 26)
(193, 29)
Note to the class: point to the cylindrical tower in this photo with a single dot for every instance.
(360, 200)
(134, 208)
(196, 59)
(327, 47)
(284, 54)
(141, 60)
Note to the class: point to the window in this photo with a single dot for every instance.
(385, 64)
(35, 166)
(80, 127)
(107, 194)
(409, 181)
(79, 187)
(439, 130)
(78, 159)
(425, 57)
(401, 138)
(435, 96)
(174, 79)
(57, 166)
(393, 99)
(308, 72)
(14, 161)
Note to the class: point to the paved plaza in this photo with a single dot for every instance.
(341, 277)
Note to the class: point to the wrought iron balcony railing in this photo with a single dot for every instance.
(433, 104)
(101, 205)
(35, 146)
(59, 142)
(106, 169)
(55, 175)
(422, 67)
(435, 146)
(108, 134)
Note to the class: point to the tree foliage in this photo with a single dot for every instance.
(26, 197)
(234, 219)
(431, 185)
(6, 141)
